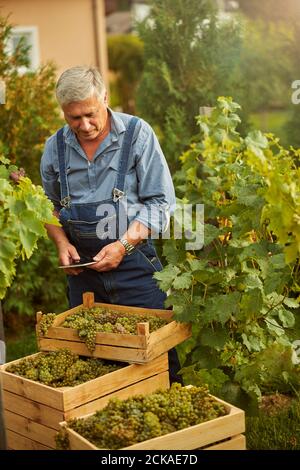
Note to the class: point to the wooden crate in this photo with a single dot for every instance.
(140, 348)
(33, 411)
(223, 433)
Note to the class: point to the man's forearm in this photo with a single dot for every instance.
(57, 234)
(136, 233)
(67, 252)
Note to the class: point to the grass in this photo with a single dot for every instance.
(22, 346)
(275, 431)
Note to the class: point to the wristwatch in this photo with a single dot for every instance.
(128, 247)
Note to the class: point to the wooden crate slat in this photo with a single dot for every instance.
(88, 299)
(33, 390)
(78, 442)
(115, 353)
(191, 438)
(195, 436)
(31, 409)
(17, 442)
(166, 314)
(30, 429)
(62, 316)
(119, 379)
(69, 334)
(234, 443)
(167, 337)
(149, 385)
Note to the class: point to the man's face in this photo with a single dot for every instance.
(86, 118)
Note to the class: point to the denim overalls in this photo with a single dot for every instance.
(131, 283)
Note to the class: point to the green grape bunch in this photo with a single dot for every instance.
(123, 423)
(45, 323)
(90, 321)
(62, 368)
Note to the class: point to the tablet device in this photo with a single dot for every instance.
(80, 264)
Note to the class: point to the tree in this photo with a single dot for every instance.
(265, 69)
(126, 59)
(190, 58)
(292, 126)
(30, 113)
(281, 61)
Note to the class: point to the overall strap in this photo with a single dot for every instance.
(118, 191)
(64, 188)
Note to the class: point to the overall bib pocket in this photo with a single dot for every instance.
(149, 256)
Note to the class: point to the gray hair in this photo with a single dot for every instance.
(79, 83)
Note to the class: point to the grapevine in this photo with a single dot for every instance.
(62, 368)
(24, 210)
(241, 291)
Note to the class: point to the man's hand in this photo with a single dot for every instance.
(109, 257)
(68, 254)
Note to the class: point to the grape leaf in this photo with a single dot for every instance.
(167, 276)
(291, 303)
(220, 307)
(210, 233)
(252, 302)
(214, 337)
(184, 281)
(287, 318)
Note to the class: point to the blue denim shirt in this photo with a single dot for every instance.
(148, 181)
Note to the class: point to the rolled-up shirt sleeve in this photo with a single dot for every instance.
(155, 186)
(49, 176)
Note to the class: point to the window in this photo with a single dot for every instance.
(30, 38)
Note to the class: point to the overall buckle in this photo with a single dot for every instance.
(117, 194)
(65, 202)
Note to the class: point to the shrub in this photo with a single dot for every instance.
(126, 54)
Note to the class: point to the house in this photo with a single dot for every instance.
(67, 32)
(122, 21)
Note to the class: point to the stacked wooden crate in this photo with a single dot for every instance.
(33, 410)
(138, 349)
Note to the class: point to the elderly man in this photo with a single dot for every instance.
(111, 188)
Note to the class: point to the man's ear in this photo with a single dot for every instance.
(105, 99)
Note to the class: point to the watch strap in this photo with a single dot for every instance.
(129, 248)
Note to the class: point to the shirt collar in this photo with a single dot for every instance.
(117, 125)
